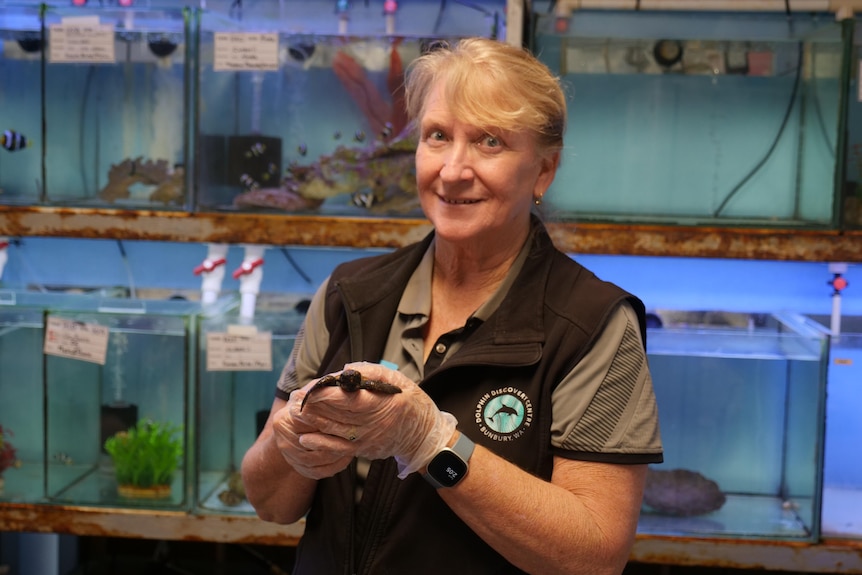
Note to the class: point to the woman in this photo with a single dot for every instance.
(526, 416)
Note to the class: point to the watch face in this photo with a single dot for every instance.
(447, 468)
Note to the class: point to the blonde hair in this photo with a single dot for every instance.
(491, 85)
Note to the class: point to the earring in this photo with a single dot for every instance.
(537, 200)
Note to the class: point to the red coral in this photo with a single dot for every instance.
(7, 452)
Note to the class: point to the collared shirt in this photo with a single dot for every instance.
(618, 345)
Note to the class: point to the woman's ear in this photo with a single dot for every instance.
(548, 171)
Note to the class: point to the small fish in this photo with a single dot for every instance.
(13, 141)
(302, 149)
(248, 182)
(336, 135)
(363, 199)
(63, 458)
(387, 131)
(359, 136)
(256, 150)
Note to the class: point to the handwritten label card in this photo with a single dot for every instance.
(239, 351)
(235, 51)
(82, 40)
(76, 340)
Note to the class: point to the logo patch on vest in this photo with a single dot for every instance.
(504, 414)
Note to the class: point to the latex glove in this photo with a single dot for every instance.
(315, 459)
(408, 425)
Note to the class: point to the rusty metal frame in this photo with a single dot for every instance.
(830, 556)
(354, 232)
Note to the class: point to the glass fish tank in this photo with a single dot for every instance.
(301, 105)
(842, 473)
(119, 383)
(22, 389)
(21, 46)
(741, 401)
(240, 362)
(698, 118)
(116, 106)
(852, 189)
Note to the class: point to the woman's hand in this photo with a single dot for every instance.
(316, 457)
(406, 425)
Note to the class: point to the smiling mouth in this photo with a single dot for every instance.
(459, 202)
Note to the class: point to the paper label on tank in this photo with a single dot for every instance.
(234, 352)
(81, 41)
(234, 51)
(76, 340)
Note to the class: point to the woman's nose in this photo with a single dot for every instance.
(457, 164)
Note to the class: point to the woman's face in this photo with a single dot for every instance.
(475, 185)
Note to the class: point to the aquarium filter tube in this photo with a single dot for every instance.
(249, 274)
(390, 7)
(119, 415)
(4, 254)
(342, 8)
(212, 271)
(838, 283)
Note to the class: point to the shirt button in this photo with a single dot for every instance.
(440, 348)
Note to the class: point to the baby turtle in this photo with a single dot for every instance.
(350, 381)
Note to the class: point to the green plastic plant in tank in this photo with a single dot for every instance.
(146, 457)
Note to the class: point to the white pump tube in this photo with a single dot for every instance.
(836, 269)
(212, 271)
(4, 254)
(250, 275)
(390, 7)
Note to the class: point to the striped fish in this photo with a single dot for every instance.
(12, 140)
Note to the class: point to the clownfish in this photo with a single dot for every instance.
(13, 141)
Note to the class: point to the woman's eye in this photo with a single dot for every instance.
(435, 135)
(491, 141)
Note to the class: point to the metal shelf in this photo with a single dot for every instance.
(757, 243)
(832, 556)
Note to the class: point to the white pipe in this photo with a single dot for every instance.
(842, 8)
(835, 320)
(390, 7)
(514, 17)
(212, 271)
(256, 96)
(4, 254)
(837, 269)
(250, 275)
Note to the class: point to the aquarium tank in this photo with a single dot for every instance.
(240, 361)
(852, 190)
(21, 46)
(115, 109)
(123, 371)
(842, 472)
(698, 118)
(741, 401)
(22, 388)
(300, 105)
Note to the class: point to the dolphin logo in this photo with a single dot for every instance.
(503, 410)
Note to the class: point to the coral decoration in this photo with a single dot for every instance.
(7, 452)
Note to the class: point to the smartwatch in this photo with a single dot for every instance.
(450, 465)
